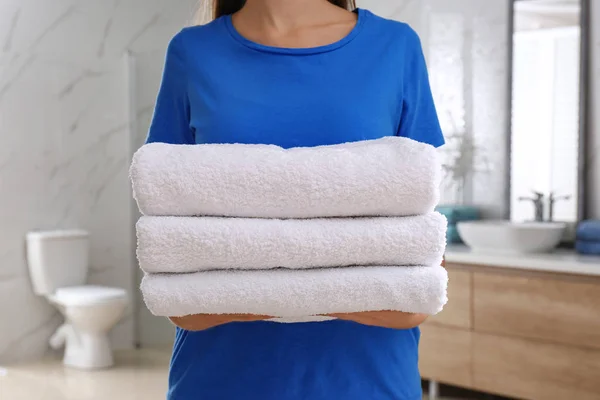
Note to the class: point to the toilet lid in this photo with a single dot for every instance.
(86, 295)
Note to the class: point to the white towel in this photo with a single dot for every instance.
(391, 176)
(192, 244)
(297, 293)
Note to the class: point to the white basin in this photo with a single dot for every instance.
(511, 237)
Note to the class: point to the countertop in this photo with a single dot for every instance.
(559, 261)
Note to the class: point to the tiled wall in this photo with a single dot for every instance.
(66, 143)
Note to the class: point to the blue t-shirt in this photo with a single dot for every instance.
(219, 87)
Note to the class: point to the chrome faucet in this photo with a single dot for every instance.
(538, 203)
(551, 200)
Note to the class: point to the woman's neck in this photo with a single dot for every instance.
(283, 16)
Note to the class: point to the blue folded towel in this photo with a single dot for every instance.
(589, 231)
(587, 247)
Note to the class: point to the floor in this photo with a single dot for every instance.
(138, 375)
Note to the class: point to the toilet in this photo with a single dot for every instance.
(58, 265)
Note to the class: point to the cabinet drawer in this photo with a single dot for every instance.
(531, 370)
(457, 312)
(445, 355)
(559, 310)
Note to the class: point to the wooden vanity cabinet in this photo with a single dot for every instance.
(520, 334)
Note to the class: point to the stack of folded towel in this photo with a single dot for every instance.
(588, 237)
(295, 234)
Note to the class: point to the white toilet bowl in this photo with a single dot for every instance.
(58, 266)
(90, 313)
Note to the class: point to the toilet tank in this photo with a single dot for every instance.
(57, 259)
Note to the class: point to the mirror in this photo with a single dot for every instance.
(547, 117)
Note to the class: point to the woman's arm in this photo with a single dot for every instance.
(201, 322)
(171, 119)
(419, 120)
(385, 319)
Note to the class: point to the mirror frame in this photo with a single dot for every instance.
(584, 104)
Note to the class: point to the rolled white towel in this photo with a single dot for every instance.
(191, 244)
(391, 176)
(297, 293)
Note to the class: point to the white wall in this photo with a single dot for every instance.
(66, 144)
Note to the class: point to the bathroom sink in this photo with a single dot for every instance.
(511, 237)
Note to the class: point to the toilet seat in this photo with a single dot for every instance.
(88, 295)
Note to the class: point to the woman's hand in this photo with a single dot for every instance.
(385, 319)
(201, 322)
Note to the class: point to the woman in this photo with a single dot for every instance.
(295, 73)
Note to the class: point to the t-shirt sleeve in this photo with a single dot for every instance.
(419, 120)
(171, 118)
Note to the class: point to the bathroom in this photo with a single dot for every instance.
(78, 84)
